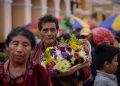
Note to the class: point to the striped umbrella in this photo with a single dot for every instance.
(112, 23)
(79, 24)
(33, 26)
(91, 23)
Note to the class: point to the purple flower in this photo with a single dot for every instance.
(52, 71)
(54, 53)
(54, 49)
(67, 46)
(65, 55)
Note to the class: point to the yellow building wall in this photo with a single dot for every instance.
(18, 17)
(1, 22)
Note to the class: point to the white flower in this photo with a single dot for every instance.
(72, 60)
(82, 54)
(59, 56)
(62, 65)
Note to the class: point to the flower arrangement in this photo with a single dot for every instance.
(59, 59)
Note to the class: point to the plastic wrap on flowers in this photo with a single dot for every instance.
(59, 59)
(102, 35)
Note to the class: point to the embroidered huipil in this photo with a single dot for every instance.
(36, 75)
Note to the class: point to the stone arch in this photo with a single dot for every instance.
(51, 7)
(36, 9)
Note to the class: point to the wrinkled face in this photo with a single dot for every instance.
(113, 65)
(49, 33)
(19, 49)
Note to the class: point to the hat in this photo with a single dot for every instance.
(85, 31)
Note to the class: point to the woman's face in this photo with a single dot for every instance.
(19, 49)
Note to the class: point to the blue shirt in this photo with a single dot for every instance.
(105, 79)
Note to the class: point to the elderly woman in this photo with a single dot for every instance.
(19, 69)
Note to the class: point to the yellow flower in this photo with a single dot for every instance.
(48, 57)
(49, 49)
(74, 43)
(48, 60)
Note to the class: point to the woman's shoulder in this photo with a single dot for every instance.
(38, 66)
(40, 71)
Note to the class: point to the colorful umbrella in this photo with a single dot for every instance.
(33, 26)
(65, 24)
(79, 24)
(91, 23)
(112, 23)
(60, 19)
(62, 24)
(102, 35)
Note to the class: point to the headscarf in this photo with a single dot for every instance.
(102, 35)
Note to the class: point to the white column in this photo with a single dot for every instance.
(36, 9)
(43, 7)
(21, 13)
(57, 8)
(28, 17)
(5, 16)
(116, 9)
(68, 7)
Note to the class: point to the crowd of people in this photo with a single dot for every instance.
(23, 68)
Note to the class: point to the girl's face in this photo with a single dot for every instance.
(19, 49)
(112, 67)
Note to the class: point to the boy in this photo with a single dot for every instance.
(106, 63)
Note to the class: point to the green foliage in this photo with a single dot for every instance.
(80, 60)
(3, 57)
(63, 41)
(69, 57)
